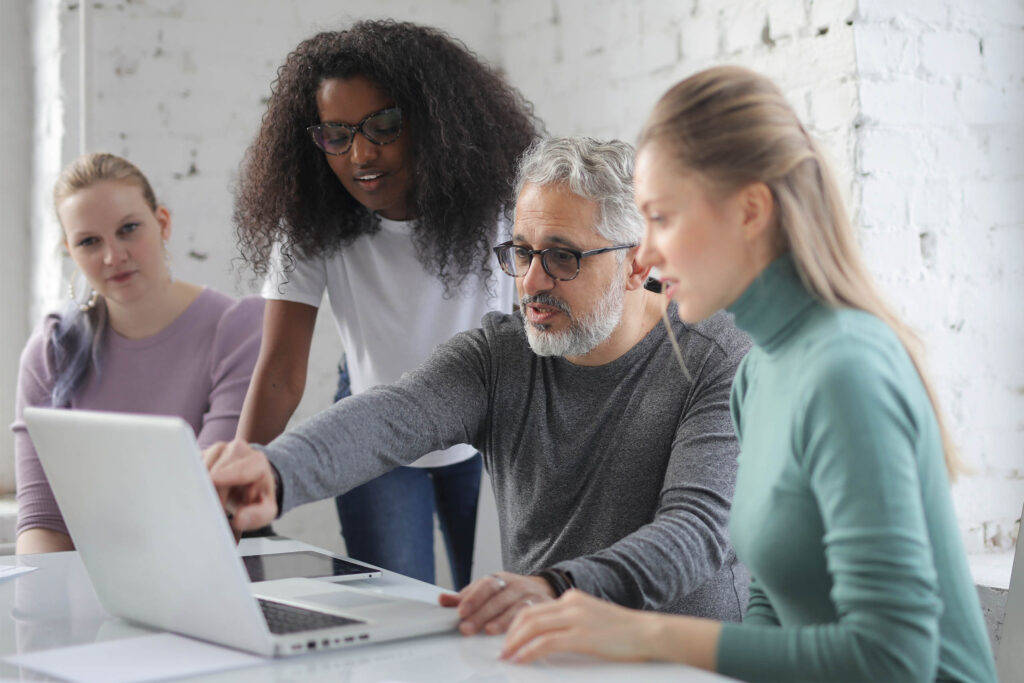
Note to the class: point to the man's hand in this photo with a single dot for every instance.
(245, 484)
(489, 604)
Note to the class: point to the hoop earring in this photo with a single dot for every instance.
(88, 305)
(167, 262)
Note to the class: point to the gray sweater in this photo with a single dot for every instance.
(621, 474)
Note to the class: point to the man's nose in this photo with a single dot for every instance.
(536, 279)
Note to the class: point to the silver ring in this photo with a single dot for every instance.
(528, 602)
(502, 584)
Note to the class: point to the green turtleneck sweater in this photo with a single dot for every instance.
(842, 510)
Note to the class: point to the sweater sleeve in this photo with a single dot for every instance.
(857, 437)
(233, 357)
(37, 507)
(442, 403)
(687, 542)
(759, 609)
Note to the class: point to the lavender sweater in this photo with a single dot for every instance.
(198, 367)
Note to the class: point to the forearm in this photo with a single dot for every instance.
(359, 439)
(279, 378)
(37, 507)
(658, 564)
(40, 540)
(442, 403)
(269, 404)
(686, 640)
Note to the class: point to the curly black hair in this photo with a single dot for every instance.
(471, 127)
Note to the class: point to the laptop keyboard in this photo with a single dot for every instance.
(283, 619)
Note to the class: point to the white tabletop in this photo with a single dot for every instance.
(56, 606)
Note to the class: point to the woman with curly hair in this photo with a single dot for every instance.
(380, 174)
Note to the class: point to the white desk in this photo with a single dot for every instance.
(56, 606)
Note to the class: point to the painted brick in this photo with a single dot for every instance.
(961, 152)
(995, 201)
(658, 15)
(659, 49)
(899, 151)
(524, 17)
(832, 13)
(743, 23)
(1004, 52)
(883, 50)
(833, 105)
(786, 19)
(990, 13)
(935, 202)
(884, 202)
(699, 39)
(896, 101)
(980, 102)
(950, 54)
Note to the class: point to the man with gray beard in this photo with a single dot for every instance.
(613, 467)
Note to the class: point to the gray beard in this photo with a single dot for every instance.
(584, 333)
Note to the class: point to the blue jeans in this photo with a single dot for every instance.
(389, 521)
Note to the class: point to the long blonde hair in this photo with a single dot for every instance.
(732, 127)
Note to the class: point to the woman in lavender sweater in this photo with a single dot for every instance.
(138, 340)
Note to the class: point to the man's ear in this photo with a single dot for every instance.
(757, 207)
(638, 272)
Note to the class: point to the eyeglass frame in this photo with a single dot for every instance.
(358, 128)
(507, 246)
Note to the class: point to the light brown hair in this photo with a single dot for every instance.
(89, 169)
(731, 127)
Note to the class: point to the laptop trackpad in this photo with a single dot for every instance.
(317, 594)
(339, 600)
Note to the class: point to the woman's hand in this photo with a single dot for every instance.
(578, 622)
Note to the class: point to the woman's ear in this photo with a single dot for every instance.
(163, 217)
(758, 209)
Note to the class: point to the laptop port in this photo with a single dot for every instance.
(364, 636)
(311, 645)
(349, 639)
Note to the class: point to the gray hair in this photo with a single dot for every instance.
(597, 170)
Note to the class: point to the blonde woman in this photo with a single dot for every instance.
(842, 510)
(134, 339)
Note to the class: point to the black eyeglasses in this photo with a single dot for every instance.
(381, 128)
(560, 263)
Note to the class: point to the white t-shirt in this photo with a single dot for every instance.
(391, 312)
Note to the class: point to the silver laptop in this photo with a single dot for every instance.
(152, 534)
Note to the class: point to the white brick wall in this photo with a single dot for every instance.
(941, 162)
(920, 106)
(918, 103)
